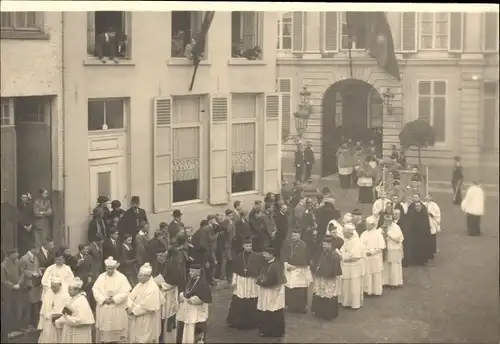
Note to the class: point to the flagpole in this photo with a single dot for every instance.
(196, 64)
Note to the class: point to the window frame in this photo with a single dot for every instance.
(281, 24)
(484, 145)
(127, 25)
(432, 96)
(192, 18)
(37, 32)
(341, 21)
(434, 34)
(9, 104)
(258, 33)
(484, 47)
(124, 115)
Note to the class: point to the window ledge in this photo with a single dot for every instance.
(24, 34)
(245, 62)
(94, 61)
(181, 61)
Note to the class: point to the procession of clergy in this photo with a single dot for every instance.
(344, 259)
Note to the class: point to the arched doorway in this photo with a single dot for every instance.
(353, 109)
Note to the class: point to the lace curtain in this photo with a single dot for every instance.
(243, 146)
(186, 162)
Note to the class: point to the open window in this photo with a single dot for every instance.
(108, 35)
(359, 33)
(246, 37)
(185, 27)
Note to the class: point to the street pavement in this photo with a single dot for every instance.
(453, 299)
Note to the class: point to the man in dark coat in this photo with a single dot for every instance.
(242, 231)
(260, 235)
(133, 217)
(97, 226)
(206, 240)
(281, 234)
(308, 160)
(155, 245)
(46, 254)
(111, 247)
(110, 44)
(324, 214)
(299, 163)
(175, 226)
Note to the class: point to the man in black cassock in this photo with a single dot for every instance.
(326, 269)
(243, 308)
(299, 163)
(419, 229)
(195, 296)
(281, 222)
(297, 272)
(271, 299)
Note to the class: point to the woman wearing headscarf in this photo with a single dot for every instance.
(419, 229)
(43, 213)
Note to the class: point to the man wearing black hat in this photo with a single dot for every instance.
(133, 217)
(176, 225)
(243, 308)
(271, 299)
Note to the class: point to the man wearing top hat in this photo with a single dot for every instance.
(133, 217)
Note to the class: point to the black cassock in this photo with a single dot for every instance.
(326, 265)
(242, 313)
(296, 254)
(419, 233)
(271, 323)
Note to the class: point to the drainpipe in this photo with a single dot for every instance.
(65, 127)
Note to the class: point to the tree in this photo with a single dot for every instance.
(418, 133)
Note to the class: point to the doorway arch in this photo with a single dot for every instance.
(352, 108)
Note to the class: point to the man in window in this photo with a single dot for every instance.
(110, 44)
(178, 44)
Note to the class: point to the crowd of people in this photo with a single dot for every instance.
(126, 286)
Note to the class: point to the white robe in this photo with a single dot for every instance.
(435, 219)
(62, 272)
(77, 328)
(112, 320)
(145, 301)
(373, 242)
(393, 265)
(299, 277)
(351, 287)
(473, 202)
(379, 205)
(52, 303)
(190, 315)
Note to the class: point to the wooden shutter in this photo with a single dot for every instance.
(424, 100)
(409, 32)
(91, 33)
(439, 110)
(220, 155)
(490, 114)
(330, 30)
(456, 32)
(298, 37)
(272, 143)
(162, 157)
(490, 32)
(285, 89)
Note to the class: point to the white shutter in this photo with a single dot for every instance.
(285, 88)
(409, 32)
(272, 143)
(456, 32)
(330, 30)
(220, 155)
(91, 33)
(162, 154)
(298, 36)
(490, 32)
(424, 100)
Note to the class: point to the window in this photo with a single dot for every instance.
(432, 106)
(243, 108)
(7, 108)
(20, 20)
(490, 115)
(246, 35)
(285, 32)
(434, 30)
(31, 109)
(359, 35)
(490, 32)
(108, 34)
(106, 114)
(185, 26)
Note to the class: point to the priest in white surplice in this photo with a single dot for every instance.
(144, 308)
(57, 270)
(110, 291)
(434, 220)
(53, 303)
(77, 319)
(374, 243)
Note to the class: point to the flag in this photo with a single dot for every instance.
(201, 38)
(378, 37)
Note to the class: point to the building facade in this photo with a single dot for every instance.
(448, 65)
(133, 128)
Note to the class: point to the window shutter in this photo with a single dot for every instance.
(128, 31)
(162, 157)
(91, 33)
(456, 32)
(298, 41)
(409, 32)
(439, 118)
(285, 88)
(424, 101)
(272, 143)
(490, 32)
(330, 25)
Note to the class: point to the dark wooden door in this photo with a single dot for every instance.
(9, 187)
